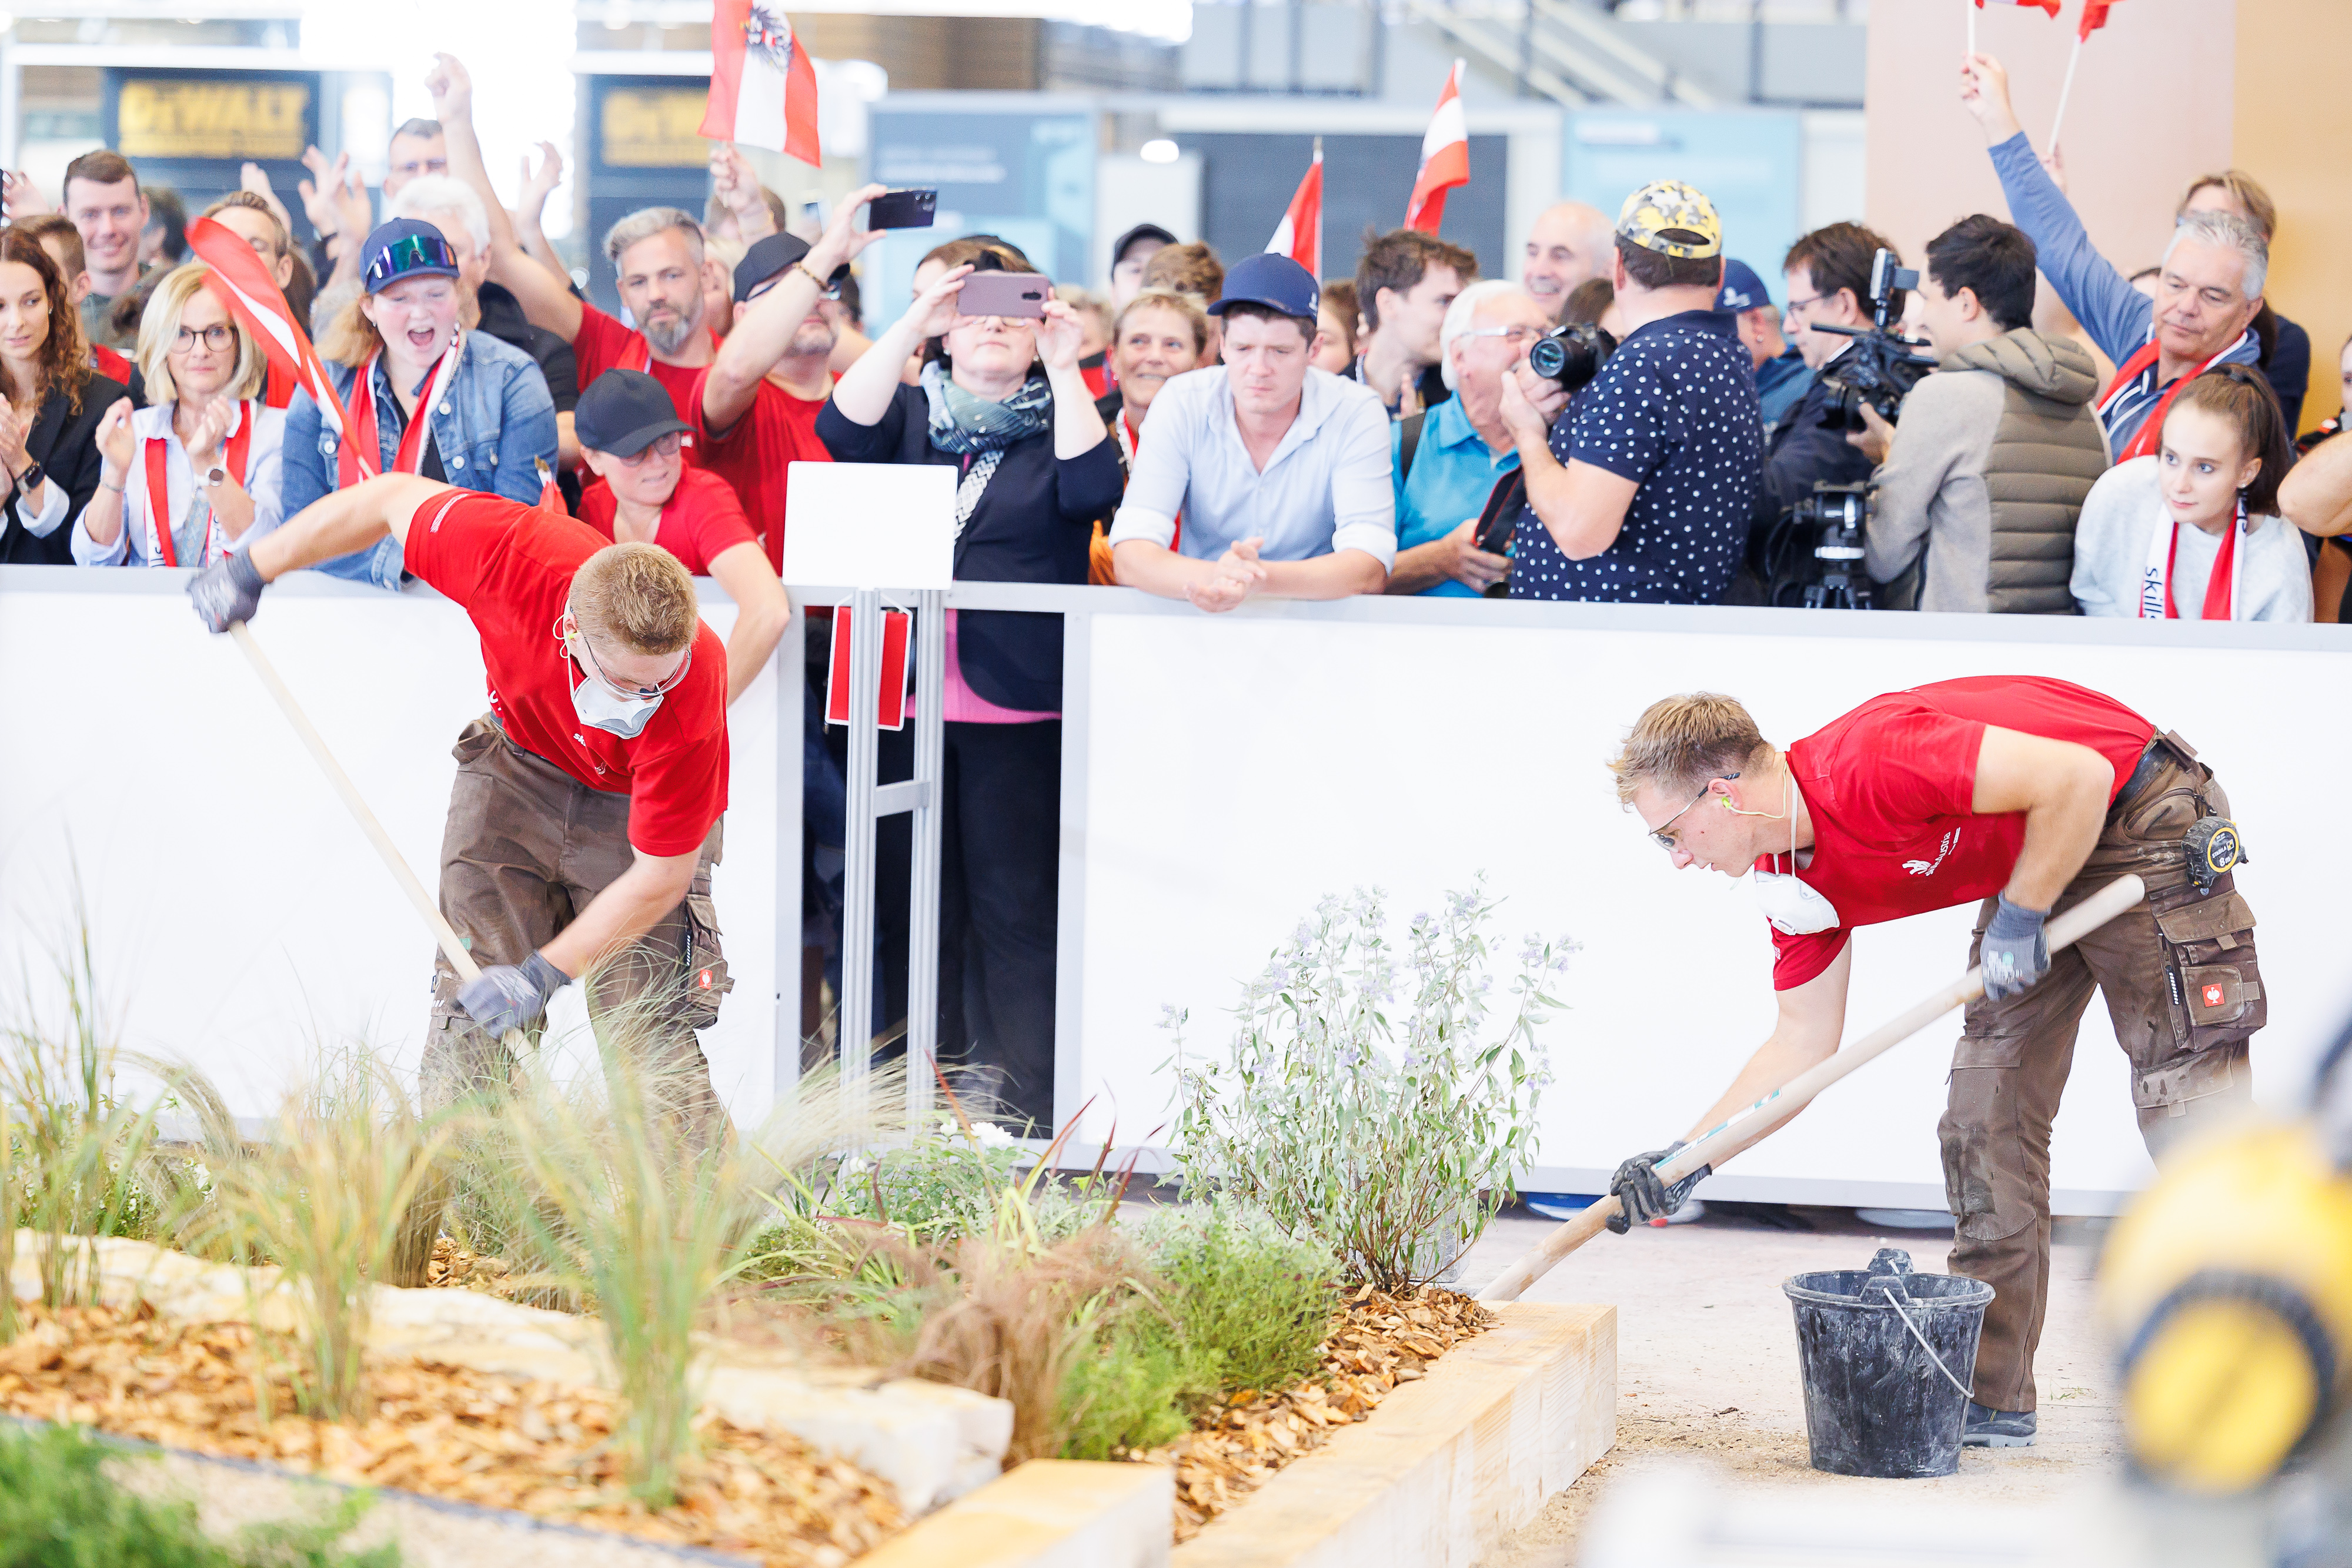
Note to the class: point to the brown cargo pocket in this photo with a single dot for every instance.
(1984, 1172)
(475, 741)
(2192, 1078)
(2213, 978)
(705, 980)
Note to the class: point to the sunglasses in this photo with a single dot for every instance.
(408, 254)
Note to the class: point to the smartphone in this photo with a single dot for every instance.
(1004, 294)
(902, 210)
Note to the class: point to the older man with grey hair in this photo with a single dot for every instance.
(1448, 459)
(2208, 291)
(1570, 242)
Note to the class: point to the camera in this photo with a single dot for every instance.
(1814, 557)
(1572, 355)
(1879, 370)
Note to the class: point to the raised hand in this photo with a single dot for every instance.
(19, 197)
(1984, 92)
(738, 190)
(252, 177)
(452, 88)
(118, 448)
(537, 187)
(1060, 336)
(842, 240)
(935, 308)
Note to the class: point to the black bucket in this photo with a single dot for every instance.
(1877, 1401)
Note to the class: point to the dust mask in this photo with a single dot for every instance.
(601, 707)
(1793, 907)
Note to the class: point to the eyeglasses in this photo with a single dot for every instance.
(571, 633)
(406, 254)
(659, 447)
(1508, 334)
(1661, 835)
(1796, 305)
(216, 337)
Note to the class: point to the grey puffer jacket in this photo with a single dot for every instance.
(1992, 458)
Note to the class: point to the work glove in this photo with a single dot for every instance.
(508, 995)
(1642, 1196)
(2015, 953)
(227, 592)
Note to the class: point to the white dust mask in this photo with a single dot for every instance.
(1793, 907)
(603, 708)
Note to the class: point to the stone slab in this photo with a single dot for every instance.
(1047, 1514)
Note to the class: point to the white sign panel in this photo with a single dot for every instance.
(870, 525)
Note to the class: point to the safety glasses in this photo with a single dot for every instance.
(1662, 835)
(408, 254)
(567, 630)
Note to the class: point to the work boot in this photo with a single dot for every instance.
(1987, 1428)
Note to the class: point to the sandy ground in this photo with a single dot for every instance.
(1707, 1358)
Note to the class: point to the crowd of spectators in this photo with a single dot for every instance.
(1212, 429)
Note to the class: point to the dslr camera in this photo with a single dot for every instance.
(1572, 355)
(1879, 369)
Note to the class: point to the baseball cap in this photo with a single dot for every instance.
(1274, 281)
(1742, 290)
(625, 411)
(766, 259)
(1673, 219)
(405, 247)
(1141, 231)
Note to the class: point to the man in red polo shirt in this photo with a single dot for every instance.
(2029, 794)
(760, 398)
(657, 255)
(584, 819)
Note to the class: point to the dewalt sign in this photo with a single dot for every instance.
(215, 117)
(654, 128)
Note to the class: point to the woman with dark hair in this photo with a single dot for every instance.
(2192, 531)
(1002, 400)
(54, 403)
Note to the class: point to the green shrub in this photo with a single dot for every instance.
(1248, 1303)
(1132, 1393)
(59, 1508)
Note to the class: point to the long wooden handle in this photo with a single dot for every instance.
(452, 947)
(1744, 1129)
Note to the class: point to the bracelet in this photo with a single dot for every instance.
(118, 489)
(803, 268)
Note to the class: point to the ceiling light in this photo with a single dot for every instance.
(1160, 150)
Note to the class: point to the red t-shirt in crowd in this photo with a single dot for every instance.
(602, 343)
(512, 566)
(1889, 787)
(777, 431)
(702, 520)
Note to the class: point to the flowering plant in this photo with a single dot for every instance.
(1393, 1138)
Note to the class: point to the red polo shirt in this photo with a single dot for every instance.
(602, 344)
(512, 566)
(1889, 786)
(756, 456)
(702, 521)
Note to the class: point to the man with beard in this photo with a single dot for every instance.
(759, 399)
(657, 253)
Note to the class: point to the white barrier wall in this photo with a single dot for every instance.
(1237, 769)
(237, 914)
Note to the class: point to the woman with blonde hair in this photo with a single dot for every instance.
(427, 393)
(196, 474)
(51, 403)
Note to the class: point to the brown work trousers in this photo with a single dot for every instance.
(2178, 976)
(526, 848)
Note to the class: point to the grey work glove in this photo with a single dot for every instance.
(2015, 953)
(1643, 1195)
(508, 995)
(227, 592)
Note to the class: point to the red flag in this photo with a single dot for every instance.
(1444, 159)
(762, 82)
(245, 286)
(2049, 5)
(2095, 16)
(1299, 236)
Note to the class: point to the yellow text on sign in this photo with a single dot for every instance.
(213, 119)
(656, 128)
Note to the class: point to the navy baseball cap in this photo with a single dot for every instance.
(625, 411)
(405, 247)
(1274, 281)
(1742, 290)
(766, 259)
(1142, 231)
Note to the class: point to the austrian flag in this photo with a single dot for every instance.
(1444, 159)
(762, 83)
(1299, 236)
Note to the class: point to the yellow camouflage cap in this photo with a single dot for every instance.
(1673, 219)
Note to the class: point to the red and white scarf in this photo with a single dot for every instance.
(410, 456)
(2222, 597)
(2135, 382)
(213, 542)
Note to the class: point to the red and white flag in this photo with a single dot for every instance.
(2095, 16)
(1444, 159)
(1299, 236)
(762, 82)
(2049, 5)
(252, 296)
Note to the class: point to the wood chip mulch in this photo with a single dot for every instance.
(541, 1447)
(1377, 1341)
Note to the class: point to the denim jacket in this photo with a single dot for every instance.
(494, 417)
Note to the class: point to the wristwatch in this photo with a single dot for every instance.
(212, 477)
(33, 474)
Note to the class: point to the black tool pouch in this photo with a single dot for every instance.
(2212, 979)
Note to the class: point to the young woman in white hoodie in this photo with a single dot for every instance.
(2192, 531)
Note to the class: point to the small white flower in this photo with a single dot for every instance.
(989, 1136)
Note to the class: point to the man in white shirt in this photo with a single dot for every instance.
(1280, 472)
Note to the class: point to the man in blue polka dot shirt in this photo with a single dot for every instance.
(1639, 493)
